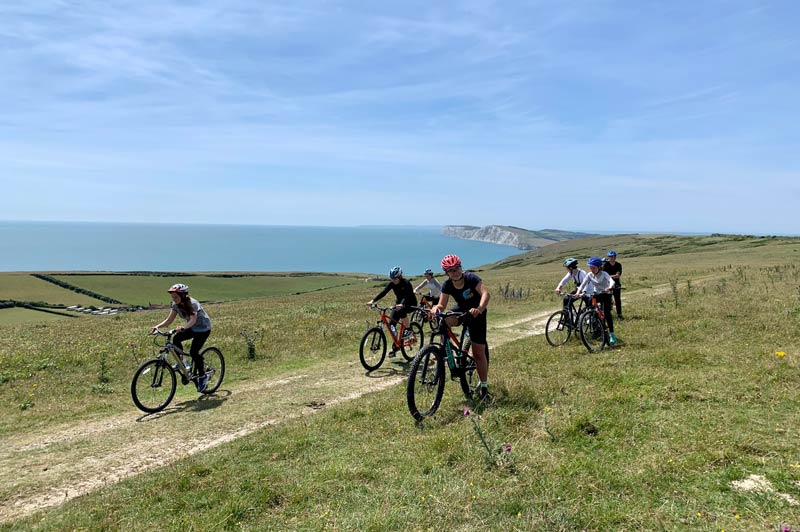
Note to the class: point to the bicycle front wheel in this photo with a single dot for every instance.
(372, 349)
(593, 331)
(414, 341)
(153, 386)
(214, 367)
(558, 329)
(426, 382)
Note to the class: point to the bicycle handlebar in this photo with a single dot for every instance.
(159, 332)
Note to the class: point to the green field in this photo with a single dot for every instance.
(17, 315)
(144, 290)
(25, 287)
(651, 435)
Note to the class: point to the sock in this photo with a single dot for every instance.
(484, 384)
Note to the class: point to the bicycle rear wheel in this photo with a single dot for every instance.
(413, 342)
(214, 366)
(372, 349)
(426, 382)
(153, 386)
(468, 377)
(558, 329)
(593, 331)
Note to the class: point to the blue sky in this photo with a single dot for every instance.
(656, 116)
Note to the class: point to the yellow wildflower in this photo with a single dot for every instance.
(780, 354)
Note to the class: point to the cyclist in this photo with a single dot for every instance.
(574, 274)
(404, 298)
(197, 327)
(614, 269)
(471, 297)
(599, 284)
(434, 288)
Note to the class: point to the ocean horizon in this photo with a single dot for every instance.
(106, 246)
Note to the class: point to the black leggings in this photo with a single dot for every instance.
(198, 339)
(617, 290)
(605, 301)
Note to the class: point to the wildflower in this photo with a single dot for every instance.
(507, 448)
(780, 354)
(519, 515)
(736, 516)
(466, 411)
(547, 410)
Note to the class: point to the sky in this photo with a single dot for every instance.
(677, 116)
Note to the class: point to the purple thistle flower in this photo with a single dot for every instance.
(507, 447)
(466, 411)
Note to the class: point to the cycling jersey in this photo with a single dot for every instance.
(596, 283)
(434, 288)
(203, 322)
(577, 276)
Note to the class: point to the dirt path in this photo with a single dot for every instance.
(45, 469)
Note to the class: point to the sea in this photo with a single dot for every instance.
(95, 246)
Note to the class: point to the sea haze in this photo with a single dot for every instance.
(58, 246)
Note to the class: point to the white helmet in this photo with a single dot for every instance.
(180, 288)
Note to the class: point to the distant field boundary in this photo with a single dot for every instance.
(76, 289)
(32, 305)
(232, 275)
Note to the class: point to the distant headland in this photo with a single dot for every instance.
(508, 235)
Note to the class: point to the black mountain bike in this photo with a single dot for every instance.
(154, 383)
(593, 327)
(562, 324)
(427, 375)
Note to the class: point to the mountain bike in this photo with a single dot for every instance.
(561, 324)
(372, 349)
(154, 383)
(427, 375)
(421, 314)
(593, 327)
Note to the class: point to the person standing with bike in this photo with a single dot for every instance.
(614, 269)
(404, 297)
(197, 328)
(574, 274)
(599, 284)
(434, 288)
(471, 297)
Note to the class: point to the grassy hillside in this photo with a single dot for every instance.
(702, 392)
(25, 287)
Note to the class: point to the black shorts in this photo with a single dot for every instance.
(475, 325)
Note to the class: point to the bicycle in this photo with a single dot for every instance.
(562, 323)
(426, 378)
(593, 327)
(372, 349)
(154, 383)
(421, 314)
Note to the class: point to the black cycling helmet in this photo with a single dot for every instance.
(571, 262)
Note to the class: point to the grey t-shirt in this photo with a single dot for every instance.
(203, 322)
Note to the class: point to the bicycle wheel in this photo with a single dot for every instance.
(214, 364)
(153, 386)
(372, 350)
(413, 342)
(593, 331)
(426, 382)
(433, 323)
(468, 376)
(558, 328)
(417, 317)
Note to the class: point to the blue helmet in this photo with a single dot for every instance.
(595, 261)
(395, 272)
(428, 272)
(612, 253)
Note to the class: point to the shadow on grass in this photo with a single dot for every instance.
(204, 402)
(401, 369)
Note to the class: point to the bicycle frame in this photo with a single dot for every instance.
(386, 322)
(176, 352)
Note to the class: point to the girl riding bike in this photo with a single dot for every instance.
(197, 327)
(404, 296)
(434, 288)
(574, 274)
(471, 297)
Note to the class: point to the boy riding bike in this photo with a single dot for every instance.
(471, 297)
(599, 284)
(574, 274)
